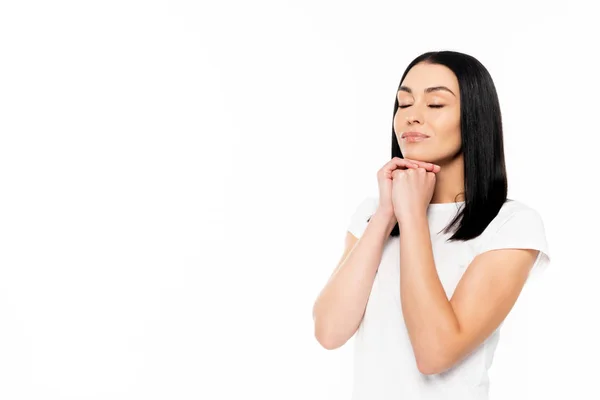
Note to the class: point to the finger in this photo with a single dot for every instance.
(397, 162)
(426, 165)
(421, 164)
(435, 168)
(398, 172)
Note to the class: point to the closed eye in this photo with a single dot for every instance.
(431, 105)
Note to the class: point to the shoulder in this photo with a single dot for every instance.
(518, 226)
(361, 212)
(516, 213)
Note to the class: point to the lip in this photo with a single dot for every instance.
(414, 134)
(412, 137)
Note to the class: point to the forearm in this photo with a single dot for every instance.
(428, 314)
(341, 304)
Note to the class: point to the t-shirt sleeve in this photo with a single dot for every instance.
(359, 219)
(522, 230)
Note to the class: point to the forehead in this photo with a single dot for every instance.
(422, 76)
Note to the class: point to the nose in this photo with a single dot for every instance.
(412, 119)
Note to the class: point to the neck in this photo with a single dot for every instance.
(450, 182)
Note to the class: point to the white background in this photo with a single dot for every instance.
(176, 178)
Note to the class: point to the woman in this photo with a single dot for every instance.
(433, 266)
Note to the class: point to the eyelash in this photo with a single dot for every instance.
(432, 106)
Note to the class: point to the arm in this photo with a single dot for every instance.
(341, 304)
(442, 331)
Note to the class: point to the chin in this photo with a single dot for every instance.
(419, 156)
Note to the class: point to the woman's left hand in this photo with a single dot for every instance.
(412, 190)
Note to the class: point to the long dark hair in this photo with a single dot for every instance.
(485, 179)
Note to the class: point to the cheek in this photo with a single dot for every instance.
(446, 125)
(397, 122)
(448, 136)
(446, 120)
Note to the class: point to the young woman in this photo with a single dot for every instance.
(433, 266)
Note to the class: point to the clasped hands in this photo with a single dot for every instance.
(406, 186)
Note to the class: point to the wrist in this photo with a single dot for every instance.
(410, 218)
(386, 217)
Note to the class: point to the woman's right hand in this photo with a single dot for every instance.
(384, 180)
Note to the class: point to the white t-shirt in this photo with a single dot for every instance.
(384, 362)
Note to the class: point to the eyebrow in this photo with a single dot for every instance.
(428, 90)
